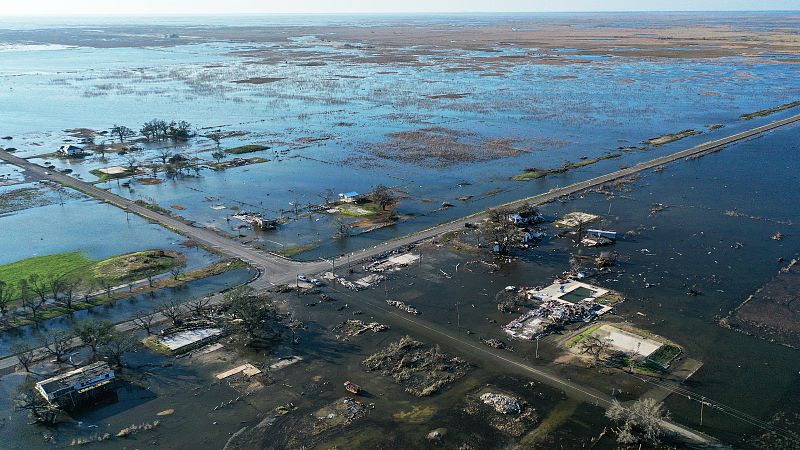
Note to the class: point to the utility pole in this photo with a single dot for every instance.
(702, 402)
(458, 316)
(537, 347)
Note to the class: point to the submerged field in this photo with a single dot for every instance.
(438, 115)
(451, 115)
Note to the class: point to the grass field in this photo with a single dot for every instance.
(111, 176)
(580, 336)
(533, 174)
(289, 252)
(246, 149)
(766, 112)
(73, 265)
(56, 265)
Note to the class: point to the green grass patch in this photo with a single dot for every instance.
(582, 335)
(672, 137)
(610, 298)
(664, 355)
(153, 207)
(152, 343)
(290, 252)
(47, 266)
(250, 148)
(767, 112)
(102, 176)
(73, 265)
(533, 174)
(358, 210)
(137, 266)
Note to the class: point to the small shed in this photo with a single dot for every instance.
(348, 197)
(70, 150)
(602, 233)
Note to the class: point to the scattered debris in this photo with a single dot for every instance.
(576, 219)
(402, 306)
(247, 369)
(357, 327)
(352, 387)
(421, 370)
(504, 404)
(392, 263)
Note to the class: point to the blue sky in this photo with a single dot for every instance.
(160, 7)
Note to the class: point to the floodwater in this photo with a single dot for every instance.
(690, 243)
(324, 111)
(559, 112)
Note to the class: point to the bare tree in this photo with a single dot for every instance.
(216, 138)
(41, 288)
(69, 285)
(176, 271)
(101, 150)
(88, 285)
(6, 296)
(641, 421)
(327, 195)
(144, 321)
(132, 162)
(115, 347)
(595, 347)
(382, 195)
(122, 132)
(172, 310)
(500, 229)
(254, 318)
(164, 155)
(57, 344)
(56, 285)
(25, 354)
(200, 307)
(93, 333)
(106, 284)
(40, 410)
(342, 229)
(218, 155)
(60, 190)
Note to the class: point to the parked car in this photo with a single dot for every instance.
(316, 282)
(302, 277)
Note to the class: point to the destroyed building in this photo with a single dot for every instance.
(69, 389)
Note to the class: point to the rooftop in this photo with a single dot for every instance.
(75, 377)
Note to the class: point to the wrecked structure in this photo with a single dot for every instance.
(256, 221)
(563, 302)
(70, 389)
(403, 307)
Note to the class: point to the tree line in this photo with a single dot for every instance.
(156, 130)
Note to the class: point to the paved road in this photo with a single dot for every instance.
(557, 193)
(467, 345)
(274, 269)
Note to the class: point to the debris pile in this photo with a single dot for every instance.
(256, 221)
(403, 307)
(502, 403)
(357, 327)
(495, 343)
(392, 263)
(421, 370)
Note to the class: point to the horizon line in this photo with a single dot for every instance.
(385, 13)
